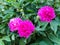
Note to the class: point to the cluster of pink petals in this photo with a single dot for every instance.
(14, 23)
(46, 13)
(26, 28)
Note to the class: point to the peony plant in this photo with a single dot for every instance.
(29, 22)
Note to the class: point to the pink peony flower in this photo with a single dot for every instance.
(26, 28)
(46, 13)
(14, 23)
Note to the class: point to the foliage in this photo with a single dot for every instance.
(45, 33)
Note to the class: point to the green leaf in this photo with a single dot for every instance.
(22, 41)
(13, 37)
(42, 28)
(43, 43)
(15, 4)
(58, 21)
(21, 1)
(43, 33)
(54, 25)
(56, 44)
(1, 42)
(7, 38)
(2, 26)
(10, 1)
(53, 38)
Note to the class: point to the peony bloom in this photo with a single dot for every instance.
(26, 28)
(46, 13)
(14, 23)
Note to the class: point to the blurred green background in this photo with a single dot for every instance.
(45, 33)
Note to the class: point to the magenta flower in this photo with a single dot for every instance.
(14, 23)
(26, 28)
(46, 13)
